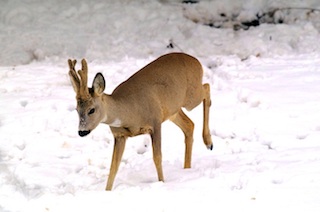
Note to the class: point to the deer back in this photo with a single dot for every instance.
(165, 85)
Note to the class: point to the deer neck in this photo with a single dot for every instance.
(113, 115)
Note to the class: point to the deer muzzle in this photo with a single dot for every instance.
(84, 133)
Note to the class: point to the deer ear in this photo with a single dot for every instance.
(98, 84)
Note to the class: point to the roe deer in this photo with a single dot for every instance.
(140, 104)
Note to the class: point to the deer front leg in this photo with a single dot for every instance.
(156, 147)
(119, 144)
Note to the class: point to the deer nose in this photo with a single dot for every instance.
(84, 133)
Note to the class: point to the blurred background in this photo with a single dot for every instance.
(36, 30)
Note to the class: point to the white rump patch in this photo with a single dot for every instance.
(116, 123)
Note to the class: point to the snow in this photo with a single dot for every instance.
(265, 89)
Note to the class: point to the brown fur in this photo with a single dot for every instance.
(139, 105)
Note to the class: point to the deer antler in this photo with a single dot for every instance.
(73, 76)
(83, 73)
(79, 84)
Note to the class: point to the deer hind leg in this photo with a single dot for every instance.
(187, 126)
(156, 147)
(206, 107)
(119, 144)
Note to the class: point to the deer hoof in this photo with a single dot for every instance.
(210, 146)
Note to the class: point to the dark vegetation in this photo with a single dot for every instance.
(268, 16)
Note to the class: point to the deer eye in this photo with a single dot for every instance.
(91, 111)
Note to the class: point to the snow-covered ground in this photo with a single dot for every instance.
(265, 117)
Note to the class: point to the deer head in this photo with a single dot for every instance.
(89, 100)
